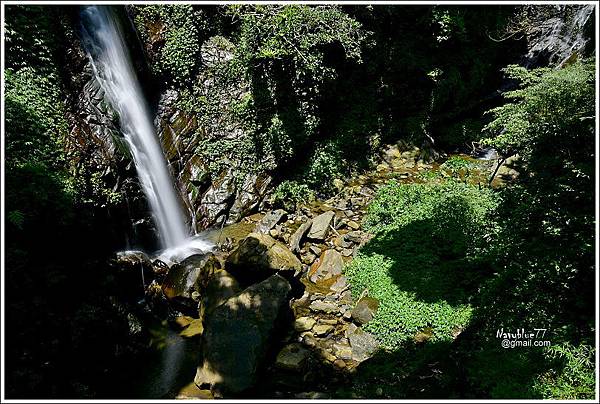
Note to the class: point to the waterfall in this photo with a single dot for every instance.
(112, 67)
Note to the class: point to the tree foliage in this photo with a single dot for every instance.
(551, 106)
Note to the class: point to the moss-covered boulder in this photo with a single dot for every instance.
(258, 256)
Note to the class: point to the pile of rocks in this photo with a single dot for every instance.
(279, 284)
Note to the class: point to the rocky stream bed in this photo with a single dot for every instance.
(269, 312)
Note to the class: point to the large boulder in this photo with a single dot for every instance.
(292, 357)
(237, 335)
(220, 287)
(133, 272)
(258, 256)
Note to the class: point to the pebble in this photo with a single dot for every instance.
(340, 364)
(347, 252)
(328, 356)
(353, 225)
(304, 323)
(322, 329)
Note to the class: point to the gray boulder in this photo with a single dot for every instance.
(363, 344)
(296, 238)
(320, 225)
(189, 276)
(269, 221)
(236, 336)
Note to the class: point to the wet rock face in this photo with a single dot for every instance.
(236, 336)
(561, 37)
(211, 198)
(186, 280)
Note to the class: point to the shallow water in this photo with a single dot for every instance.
(168, 366)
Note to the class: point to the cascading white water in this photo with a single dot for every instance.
(112, 68)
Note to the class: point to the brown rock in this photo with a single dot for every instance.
(304, 323)
(259, 256)
(340, 364)
(322, 329)
(194, 329)
(236, 336)
(329, 265)
(365, 309)
(190, 276)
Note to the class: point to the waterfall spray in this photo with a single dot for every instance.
(112, 67)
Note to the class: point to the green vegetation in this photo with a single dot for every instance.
(308, 95)
(291, 194)
(177, 28)
(575, 380)
(533, 267)
(549, 103)
(325, 165)
(545, 254)
(423, 260)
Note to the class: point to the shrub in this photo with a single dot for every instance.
(456, 163)
(34, 117)
(551, 105)
(290, 194)
(325, 165)
(178, 56)
(575, 379)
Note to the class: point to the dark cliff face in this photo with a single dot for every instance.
(96, 149)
